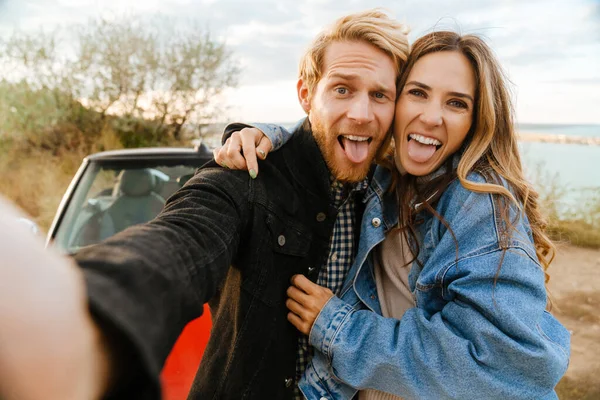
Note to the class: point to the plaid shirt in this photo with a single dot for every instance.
(341, 257)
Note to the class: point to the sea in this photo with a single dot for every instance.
(570, 170)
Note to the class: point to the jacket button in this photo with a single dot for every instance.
(288, 382)
(281, 240)
(376, 222)
(321, 217)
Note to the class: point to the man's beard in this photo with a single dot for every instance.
(327, 142)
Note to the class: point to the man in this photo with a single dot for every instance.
(235, 242)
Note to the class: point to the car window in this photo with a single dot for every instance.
(110, 197)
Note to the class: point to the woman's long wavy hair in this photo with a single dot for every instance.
(490, 147)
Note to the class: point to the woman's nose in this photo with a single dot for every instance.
(431, 114)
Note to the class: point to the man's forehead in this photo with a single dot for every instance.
(358, 62)
(357, 51)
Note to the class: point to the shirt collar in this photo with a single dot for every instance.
(340, 187)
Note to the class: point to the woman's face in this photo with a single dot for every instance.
(434, 111)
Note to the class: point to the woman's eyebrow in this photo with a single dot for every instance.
(456, 94)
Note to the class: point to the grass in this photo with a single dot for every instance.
(573, 214)
(582, 307)
(35, 178)
(580, 388)
(37, 187)
(577, 232)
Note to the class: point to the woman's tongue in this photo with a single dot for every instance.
(357, 152)
(420, 152)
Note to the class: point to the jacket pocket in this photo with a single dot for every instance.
(288, 236)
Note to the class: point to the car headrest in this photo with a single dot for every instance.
(137, 182)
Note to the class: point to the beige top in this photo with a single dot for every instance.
(392, 266)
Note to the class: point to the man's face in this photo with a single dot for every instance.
(352, 107)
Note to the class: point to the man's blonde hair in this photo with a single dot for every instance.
(372, 26)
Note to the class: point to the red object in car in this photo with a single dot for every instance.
(180, 368)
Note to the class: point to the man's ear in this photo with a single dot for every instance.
(303, 95)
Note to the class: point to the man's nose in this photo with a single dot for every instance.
(360, 110)
(431, 114)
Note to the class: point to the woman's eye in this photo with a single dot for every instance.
(458, 104)
(341, 90)
(416, 92)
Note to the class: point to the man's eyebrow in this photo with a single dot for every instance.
(352, 77)
(456, 94)
(341, 75)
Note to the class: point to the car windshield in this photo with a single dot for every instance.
(112, 196)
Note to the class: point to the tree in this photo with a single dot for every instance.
(146, 78)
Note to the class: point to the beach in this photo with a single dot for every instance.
(575, 287)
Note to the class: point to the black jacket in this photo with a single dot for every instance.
(147, 282)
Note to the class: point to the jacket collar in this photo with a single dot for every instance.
(380, 187)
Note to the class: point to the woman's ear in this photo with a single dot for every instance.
(303, 95)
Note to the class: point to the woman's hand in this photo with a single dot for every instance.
(241, 150)
(305, 302)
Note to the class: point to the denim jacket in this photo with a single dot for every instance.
(480, 329)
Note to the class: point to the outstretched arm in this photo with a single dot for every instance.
(131, 298)
(50, 347)
(147, 282)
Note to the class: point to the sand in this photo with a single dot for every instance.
(575, 286)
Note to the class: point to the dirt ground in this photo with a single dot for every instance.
(575, 287)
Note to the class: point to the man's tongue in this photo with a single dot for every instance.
(420, 152)
(357, 152)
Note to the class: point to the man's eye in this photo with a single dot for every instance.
(379, 95)
(341, 90)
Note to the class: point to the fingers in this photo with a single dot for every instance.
(249, 140)
(229, 155)
(299, 316)
(302, 304)
(304, 284)
(298, 323)
(296, 308)
(234, 157)
(298, 295)
(264, 147)
(219, 155)
(305, 302)
(242, 150)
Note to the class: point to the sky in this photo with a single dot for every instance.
(550, 49)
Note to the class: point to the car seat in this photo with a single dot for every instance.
(136, 202)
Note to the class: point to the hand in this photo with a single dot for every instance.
(46, 329)
(305, 302)
(241, 150)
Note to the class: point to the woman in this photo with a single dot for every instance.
(447, 298)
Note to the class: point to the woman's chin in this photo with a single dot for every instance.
(414, 168)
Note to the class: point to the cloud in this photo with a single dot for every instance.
(577, 81)
(547, 41)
